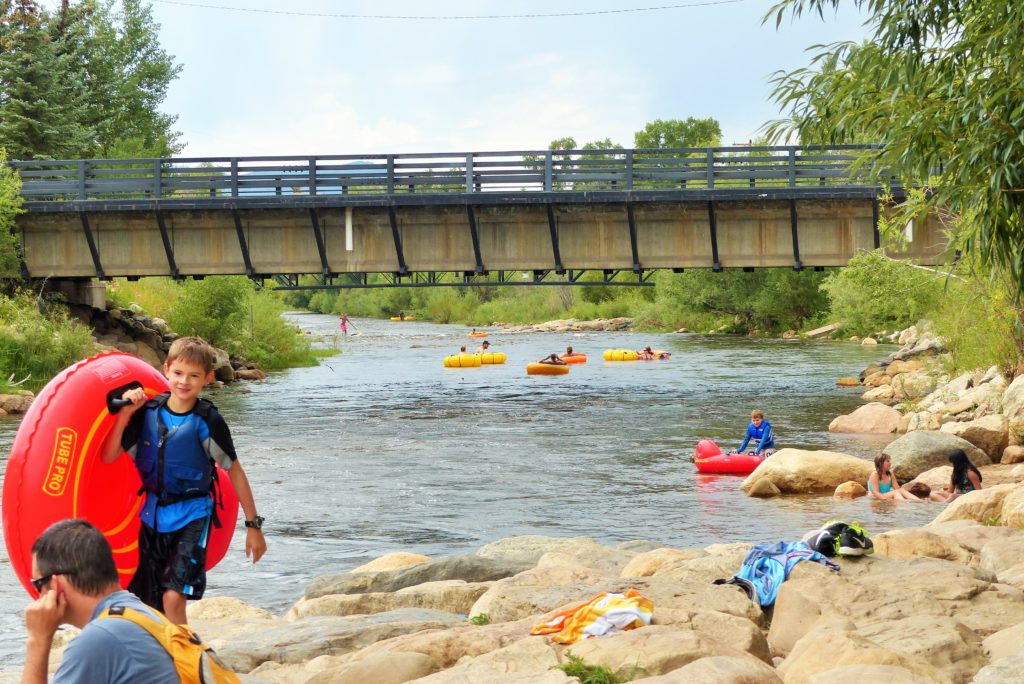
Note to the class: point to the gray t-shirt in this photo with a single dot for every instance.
(116, 651)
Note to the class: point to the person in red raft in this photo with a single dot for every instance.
(760, 431)
(174, 439)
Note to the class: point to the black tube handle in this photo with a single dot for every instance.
(114, 401)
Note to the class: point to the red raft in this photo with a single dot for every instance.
(710, 459)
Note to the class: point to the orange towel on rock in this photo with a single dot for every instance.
(604, 614)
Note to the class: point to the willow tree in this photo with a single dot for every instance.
(939, 84)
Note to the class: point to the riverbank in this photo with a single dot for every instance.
(417, 458)
(939, 603)
(132, 331)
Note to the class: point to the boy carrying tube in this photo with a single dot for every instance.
(175, 438)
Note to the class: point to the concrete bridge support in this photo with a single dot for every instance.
(86, 292)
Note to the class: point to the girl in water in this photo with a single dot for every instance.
(882, 484)
(966, 477)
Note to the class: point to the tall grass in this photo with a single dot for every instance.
(37, 344)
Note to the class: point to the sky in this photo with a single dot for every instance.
(277, 82)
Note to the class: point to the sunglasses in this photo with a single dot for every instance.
(45, 579)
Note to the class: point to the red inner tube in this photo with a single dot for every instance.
(55, 472)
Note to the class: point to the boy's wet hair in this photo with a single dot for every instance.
(757, 413)
(191, 350)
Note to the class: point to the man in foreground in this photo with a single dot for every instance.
(74, 572)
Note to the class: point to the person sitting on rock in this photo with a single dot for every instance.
(553, 360)
(966, 477)
(882, 484)
(759, 430)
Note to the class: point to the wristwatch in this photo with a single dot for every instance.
(256, 523)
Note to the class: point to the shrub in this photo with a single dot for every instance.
(874, 292)
(589, 674)
(980, 321)
(37, 345)
(228, 312)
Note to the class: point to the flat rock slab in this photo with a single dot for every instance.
(301, 641)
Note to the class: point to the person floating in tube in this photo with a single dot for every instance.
(760, 431)
(552, 359)
(483, 347)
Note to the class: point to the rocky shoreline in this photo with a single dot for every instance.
(939, 603)
(571, 325)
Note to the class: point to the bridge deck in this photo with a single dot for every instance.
(474, 213)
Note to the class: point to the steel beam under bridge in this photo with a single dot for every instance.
(624, 211)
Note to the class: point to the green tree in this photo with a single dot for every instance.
(939, 83)
(10, 207)
(36, 120)
(127, 72)
(670, 133)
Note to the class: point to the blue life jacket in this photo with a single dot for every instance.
(172, 463)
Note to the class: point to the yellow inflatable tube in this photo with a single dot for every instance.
(491, 358)
(462, 361)
(620, 355)
(407, 318)
(546, 369)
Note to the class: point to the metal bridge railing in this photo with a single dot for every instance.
(431, 173)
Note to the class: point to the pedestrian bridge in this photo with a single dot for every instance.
(524, 217)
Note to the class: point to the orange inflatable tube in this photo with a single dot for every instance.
(574, 358)
(55, 472)
(546, 369)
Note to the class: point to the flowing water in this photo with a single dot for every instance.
(381, 449)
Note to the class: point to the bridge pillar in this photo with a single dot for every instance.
(88, 292)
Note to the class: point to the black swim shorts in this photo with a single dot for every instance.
(171, 560)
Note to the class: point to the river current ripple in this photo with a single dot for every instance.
(381, 449)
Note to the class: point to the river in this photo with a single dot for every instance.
(381, 449)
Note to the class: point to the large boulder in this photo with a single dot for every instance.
(392, 561)
(17, 402)
(1004, 671)
(825, 649)
(653, 650)
(916, 542)
(303, 640)
(858, 674)
(469, 568)
(983, 505)
(991, 434)
(796, 471)
(912, 385)
(1013, 400)
(528, 548)
(451, 596)
(874, 418)
(383, 668)
(717, 670)
(523, 662)
(916, 452)
(650, 562)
